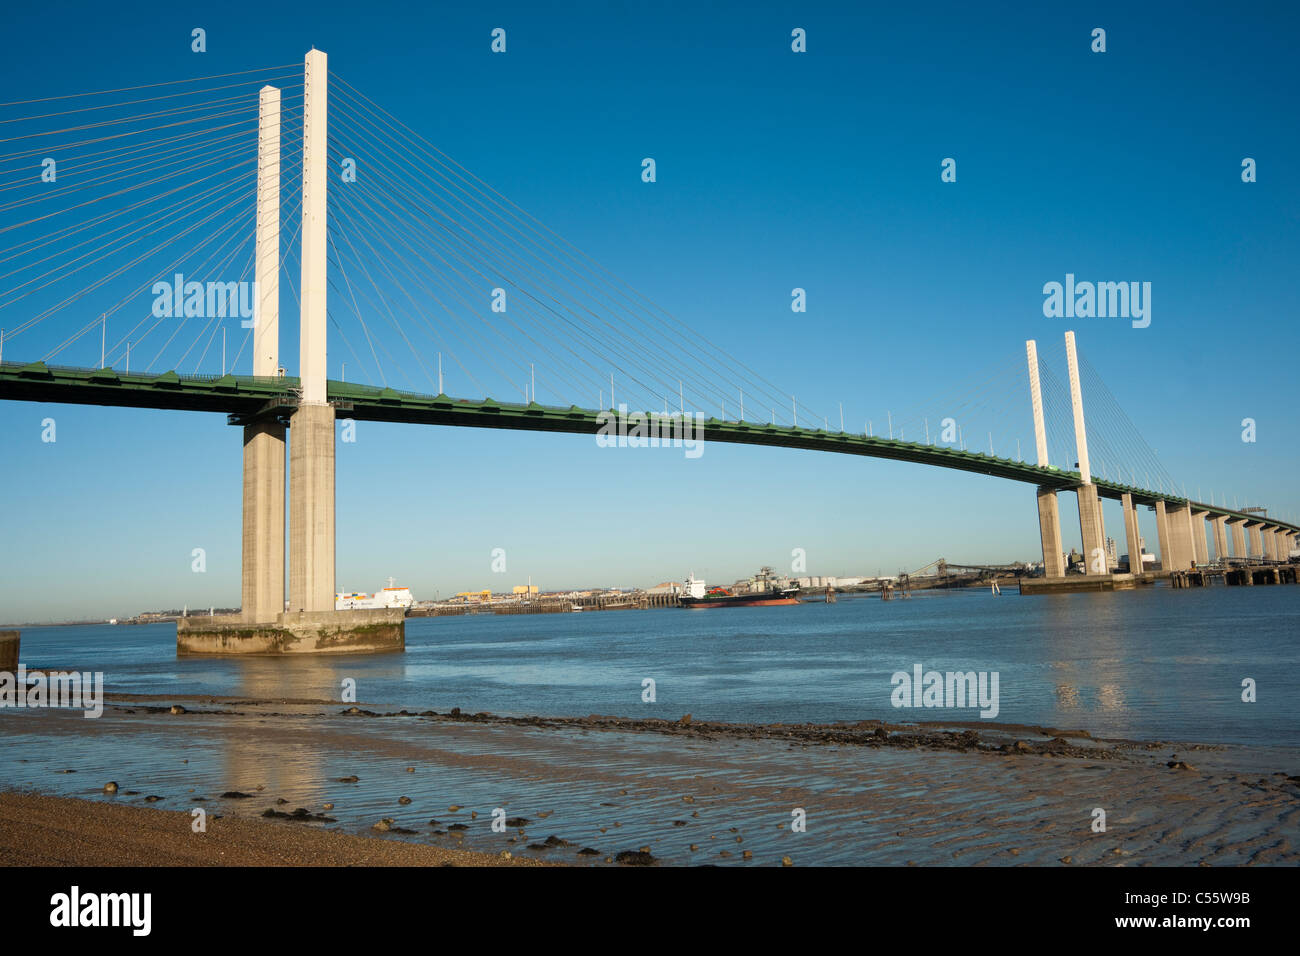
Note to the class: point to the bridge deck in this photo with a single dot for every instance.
(244, 397)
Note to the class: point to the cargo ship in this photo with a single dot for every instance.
(388, 597)
(765, 594)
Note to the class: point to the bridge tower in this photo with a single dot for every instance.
(1049, 508)
(310, 624)
(263, 540)
(1090, 526)
(311, 428)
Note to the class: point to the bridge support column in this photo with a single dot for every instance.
(1200, 540)
(1180, 538)
(1269, 535)
(311, 509)
(1131, 534)
(263, 546)
(1090, 528)
(1049, 529)
(1238, 538)
(1220, 526)
(1163, 538)
(1256, 542)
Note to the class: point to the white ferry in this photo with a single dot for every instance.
(388, 597)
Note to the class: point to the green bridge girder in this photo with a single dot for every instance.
(246, 397)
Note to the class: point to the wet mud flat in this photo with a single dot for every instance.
(602, 790)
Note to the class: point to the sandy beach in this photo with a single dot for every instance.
(43, 830)
(304, 782)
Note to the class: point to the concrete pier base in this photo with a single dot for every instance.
(1085, 582)
(367, 631)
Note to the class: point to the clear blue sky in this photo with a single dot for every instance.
(775, 170)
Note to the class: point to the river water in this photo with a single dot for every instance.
(1152, 664)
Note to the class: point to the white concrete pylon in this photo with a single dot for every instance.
(1076, 403)
(311, 429)
(262, 559)
(1036, 400)
(266, 318)
(312, 325)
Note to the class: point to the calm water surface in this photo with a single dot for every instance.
(1152, 664)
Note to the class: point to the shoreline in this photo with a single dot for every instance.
(314, 782)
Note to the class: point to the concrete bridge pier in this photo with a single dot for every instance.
(1220, 526)
(1092, 533)
(1238, 538)
(1200, 540)
(1131, 535)
(1162, 537)
(1256, 542)
(311, 509)
(263, 544)
(1180, 538)
(1049, 529)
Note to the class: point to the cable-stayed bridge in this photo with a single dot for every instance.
(145, 235)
